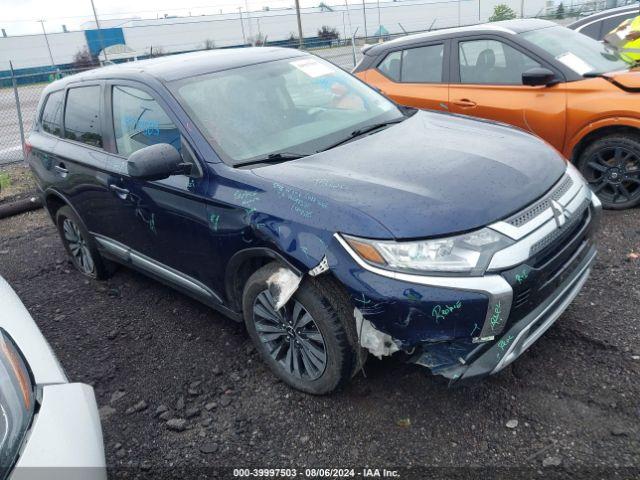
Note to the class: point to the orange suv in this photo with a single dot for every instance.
(567, 88)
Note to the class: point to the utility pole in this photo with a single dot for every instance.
(95, 15)
(364, 15)
(379, 23)
(46, 39)
(521, 8)
(299, 24)
(244, 38)
(459, 15)
(346, 4)
(479, 19)
(246, 7)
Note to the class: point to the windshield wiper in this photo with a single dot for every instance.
(272, 158)
(362, 131)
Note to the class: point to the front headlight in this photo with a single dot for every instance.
(16, 402)
(469, 253)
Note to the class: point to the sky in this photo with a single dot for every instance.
(20, 17)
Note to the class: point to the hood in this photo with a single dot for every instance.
(626, 79)
(433, 174)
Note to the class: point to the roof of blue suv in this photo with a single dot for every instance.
(175, 67)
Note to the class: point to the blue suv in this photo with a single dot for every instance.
(285, 193)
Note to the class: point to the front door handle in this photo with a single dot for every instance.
(123, 193)
(60, 168)
(465, 103)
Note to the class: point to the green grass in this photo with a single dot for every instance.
(5, 180)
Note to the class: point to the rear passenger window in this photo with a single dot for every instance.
(422, 65)
(414, 65)
(390, 66)
(51, 119)
(139, 121)
(82, 116)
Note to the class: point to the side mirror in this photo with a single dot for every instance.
(156, 162)
(538, 76)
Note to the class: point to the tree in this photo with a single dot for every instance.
(328, 33)
(156, 51)
(502, 12)
(257, 40)
(560, 11)
(83, 59)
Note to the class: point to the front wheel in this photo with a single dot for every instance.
(307, 343)
(611, 165)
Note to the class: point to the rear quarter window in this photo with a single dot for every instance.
(51, 118)
(82, 115)
(390, 66)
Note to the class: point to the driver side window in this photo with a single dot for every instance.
(492, 62)
(139, 121)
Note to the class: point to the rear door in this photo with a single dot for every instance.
(82, 163)
(487, 82)
(416, 76)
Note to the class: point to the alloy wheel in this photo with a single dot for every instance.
(614, 174)
(290, 336)
(78, 247)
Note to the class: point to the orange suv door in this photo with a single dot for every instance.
(486, 81)
(414, 76)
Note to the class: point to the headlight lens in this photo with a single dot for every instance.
(16, 402)
(469, 253)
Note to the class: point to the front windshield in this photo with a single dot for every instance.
(580, 53)
(299, 105)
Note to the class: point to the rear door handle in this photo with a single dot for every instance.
(465, 103)
(123, 193)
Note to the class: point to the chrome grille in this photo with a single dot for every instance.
(549, 239)
(528, 214)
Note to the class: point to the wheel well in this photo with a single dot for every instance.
(598, 134)
(53, 203)
(239, 276)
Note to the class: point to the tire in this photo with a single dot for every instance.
(81, 246)
(327, 330)
(611, 165)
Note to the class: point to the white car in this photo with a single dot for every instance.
(49, 427)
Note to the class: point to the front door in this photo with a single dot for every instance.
(489, 85)
(169, 215)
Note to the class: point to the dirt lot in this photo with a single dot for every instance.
(569, 405)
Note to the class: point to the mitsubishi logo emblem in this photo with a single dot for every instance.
(559, 213)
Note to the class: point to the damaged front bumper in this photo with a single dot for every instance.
(468, 327)
(488, 359)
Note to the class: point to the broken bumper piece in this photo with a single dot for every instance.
(471, 362)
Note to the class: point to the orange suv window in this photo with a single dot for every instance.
(414, 65)
(492, 62)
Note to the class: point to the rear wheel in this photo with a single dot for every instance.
(611, 165)
(306, 343)
(80, 246)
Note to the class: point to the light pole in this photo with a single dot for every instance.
(246, 7)
(53, 64)
(244, 38)
(299, 24)
(364, 15)
(95, 15)
(379, 23)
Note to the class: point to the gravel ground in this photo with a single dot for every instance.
(181, 386)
